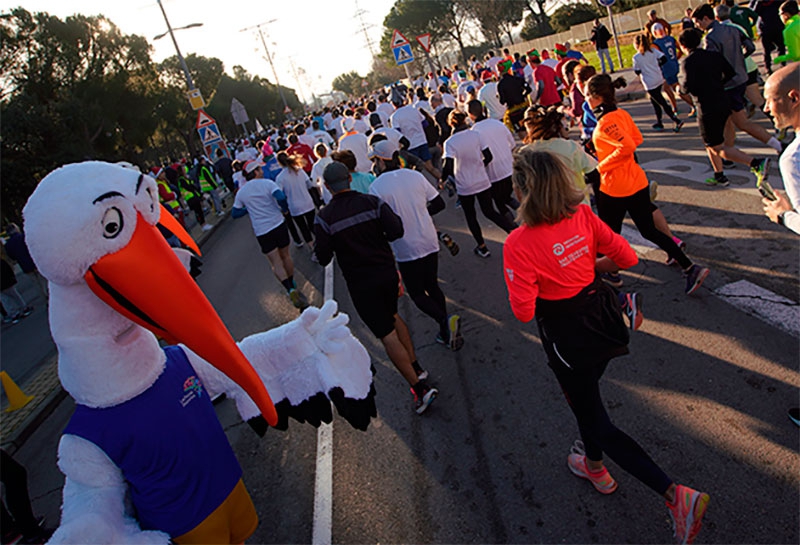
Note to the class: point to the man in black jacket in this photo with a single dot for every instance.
(600, 38)
(357, 228)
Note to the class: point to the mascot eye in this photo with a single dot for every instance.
(112, 222)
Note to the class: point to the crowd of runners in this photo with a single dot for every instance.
(363, 180)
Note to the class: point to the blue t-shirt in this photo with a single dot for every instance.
(170, 447)
(669, 48)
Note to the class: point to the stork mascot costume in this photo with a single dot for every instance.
(145, 458)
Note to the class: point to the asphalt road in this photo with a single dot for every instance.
(704, 391)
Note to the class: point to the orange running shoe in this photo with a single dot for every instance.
(687, 513)
(602, 480)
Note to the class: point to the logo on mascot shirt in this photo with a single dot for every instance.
(192, 388)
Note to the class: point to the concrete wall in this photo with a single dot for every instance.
(629, 21)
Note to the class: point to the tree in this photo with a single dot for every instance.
(496, 17)
(573, 14)
(72, 90)
(537, 23)
(348, 83)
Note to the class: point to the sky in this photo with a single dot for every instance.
(323, 38)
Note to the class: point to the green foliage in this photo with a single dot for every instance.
(79, 89)
(573, 14)
(535, 28)
(348, 83)
(496, 17)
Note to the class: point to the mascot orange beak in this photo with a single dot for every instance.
(146, 282)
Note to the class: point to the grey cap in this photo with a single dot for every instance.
(337, 176)
(383, 149)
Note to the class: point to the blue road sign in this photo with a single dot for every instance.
(209, 133)
(606, 3)
(403, 54)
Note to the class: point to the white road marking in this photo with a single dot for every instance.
(321, 533)
(697, 171)
(756, 301)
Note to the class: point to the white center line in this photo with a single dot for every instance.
(323, 480)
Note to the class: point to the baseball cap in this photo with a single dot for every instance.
(383, 150)
(337, 176)
(251, 165)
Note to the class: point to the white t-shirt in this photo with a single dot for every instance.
(493, 62)
(322, 136)
(256, 196)
(408, 193)
(408, 121)
(357, 143)
(448, 100)
(239, 179)
(550, 62)
(466, 149)
(295, 184)
(647, 64)
(307, 139)
(462, 94)
(488, 95)
(500, 142)
(424, 105)
(328, 120)
(247, 154)
(318, 180)
(385, 110)
(527, 74)
(361, 125)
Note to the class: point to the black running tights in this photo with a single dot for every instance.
(487, 208)
(306, 224)
(612, 211)
(420, 278)
(598, 433)
(658, 101)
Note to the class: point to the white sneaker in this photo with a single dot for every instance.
(207, 227)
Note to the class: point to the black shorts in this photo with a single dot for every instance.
(712, 126)
(735, 97)
(376, 306)
(277, 238)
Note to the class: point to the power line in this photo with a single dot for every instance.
(364, 27)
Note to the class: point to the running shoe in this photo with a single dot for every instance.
(25, 312)
(602, 480)
(694, 278)
(612, 279)
(761, 170)
(722, 181)
(298, 244)
(728, 164)
(653, 190)
(454, 325)
(449, 243)
(633, 309)
(687, 513)
(692, 113)
(458, 204)
(794, 415)
(422, 374)
(682, 245)
(658, 126)
(422, 402)
(207, 227)
(678, 126)
(482, 251)
(298, 299)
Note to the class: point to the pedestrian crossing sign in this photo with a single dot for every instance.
(403, 54)
(209, 133)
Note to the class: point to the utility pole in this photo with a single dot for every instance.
(186, 73)
(269, 59)
(364, 27)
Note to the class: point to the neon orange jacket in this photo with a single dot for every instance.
(615, 139)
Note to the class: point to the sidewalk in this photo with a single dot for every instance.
(29, 355)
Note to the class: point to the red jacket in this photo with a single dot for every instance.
(557, 261)
(305, 152)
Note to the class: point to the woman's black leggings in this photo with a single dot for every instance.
(658, 101)
(582, 390)
(487, 208)
(612, 211)
(502, 191)
(306, 224)
(420, 278)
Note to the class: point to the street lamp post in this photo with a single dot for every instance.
(186, 73)
(269, 58)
